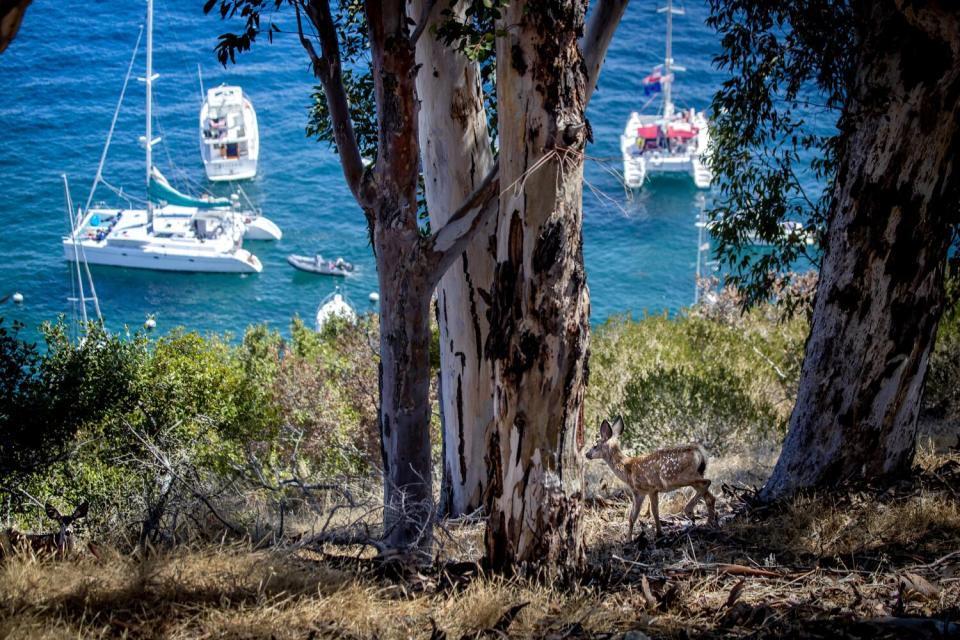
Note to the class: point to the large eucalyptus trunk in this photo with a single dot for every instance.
(540, 305)
(409, 262)
(880, 294)
(456, 156)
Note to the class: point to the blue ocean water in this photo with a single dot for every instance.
(59, 82)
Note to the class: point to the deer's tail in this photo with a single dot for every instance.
(702, 454)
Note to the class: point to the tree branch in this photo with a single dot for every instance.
(428, 6)
(11, 14)
(451, 240)
(603, 23)
(327, 70)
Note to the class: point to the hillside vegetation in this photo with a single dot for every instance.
(234, 492)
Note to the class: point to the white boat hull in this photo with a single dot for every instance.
(241, 261)
(224, 171)
(230, 150)
(686, 161)
(334, 306)
(177, 241)
(260, 228)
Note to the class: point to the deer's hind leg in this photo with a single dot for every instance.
(702, 490)
(711, 505)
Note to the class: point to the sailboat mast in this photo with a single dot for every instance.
(148, 137)
(667, 63)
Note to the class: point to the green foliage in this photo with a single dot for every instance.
(47, 398)
(942, 392)
(789, 62)
(119, 419)
(692, 378)
(710, 405)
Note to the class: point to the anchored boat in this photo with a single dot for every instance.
(334, 306)
(669, 143)
(229, 135)
(318, 264)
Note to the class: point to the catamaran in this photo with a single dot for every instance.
(229, 136)
(670, 142)
(173, 231)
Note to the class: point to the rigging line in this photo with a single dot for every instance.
(183, 178)
(68, 216)
(93, 289)
(249, 202)
(113, 123)
(120, 193)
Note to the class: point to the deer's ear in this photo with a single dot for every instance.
(605, 431)
(52, 512)
(81, 511)
(618, 426)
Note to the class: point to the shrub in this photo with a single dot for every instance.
(49, 397)
(726, 383)
(673, 406)
(942, 393)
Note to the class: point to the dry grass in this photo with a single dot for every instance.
(818, 567)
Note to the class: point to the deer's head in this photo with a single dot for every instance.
(65, 522)
(609, 440)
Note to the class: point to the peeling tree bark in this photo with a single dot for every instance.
(880, 296)
(409, 264)
(540, 304)
(456, 155)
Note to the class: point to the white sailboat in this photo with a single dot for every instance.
(174, 231)
(669, 143)
(229, 136)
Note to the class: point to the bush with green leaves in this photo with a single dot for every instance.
(134, 423)
(942, 392)
(710, 405)
(727, 384)
(49, 397)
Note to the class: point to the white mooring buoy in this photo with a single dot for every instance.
(374, 297)
(18, 297)
(150, 324)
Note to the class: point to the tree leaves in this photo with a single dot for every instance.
(790, 66)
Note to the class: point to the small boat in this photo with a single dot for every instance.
(334, 306)
(229, 135)
(790, 231)
(318, 264)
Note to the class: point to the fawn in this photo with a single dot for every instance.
(58, 544)
(662, 470)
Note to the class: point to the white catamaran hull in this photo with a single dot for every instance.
(685, 161)
(241, 261)
(178, 240)
(260, 228)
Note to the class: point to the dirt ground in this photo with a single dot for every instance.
(860, 564)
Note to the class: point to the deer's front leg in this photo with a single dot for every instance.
(655, 509)
(634, 512)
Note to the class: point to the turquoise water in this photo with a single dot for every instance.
(59, 82)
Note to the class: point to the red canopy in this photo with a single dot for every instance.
(682, 132)
(650, 132)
